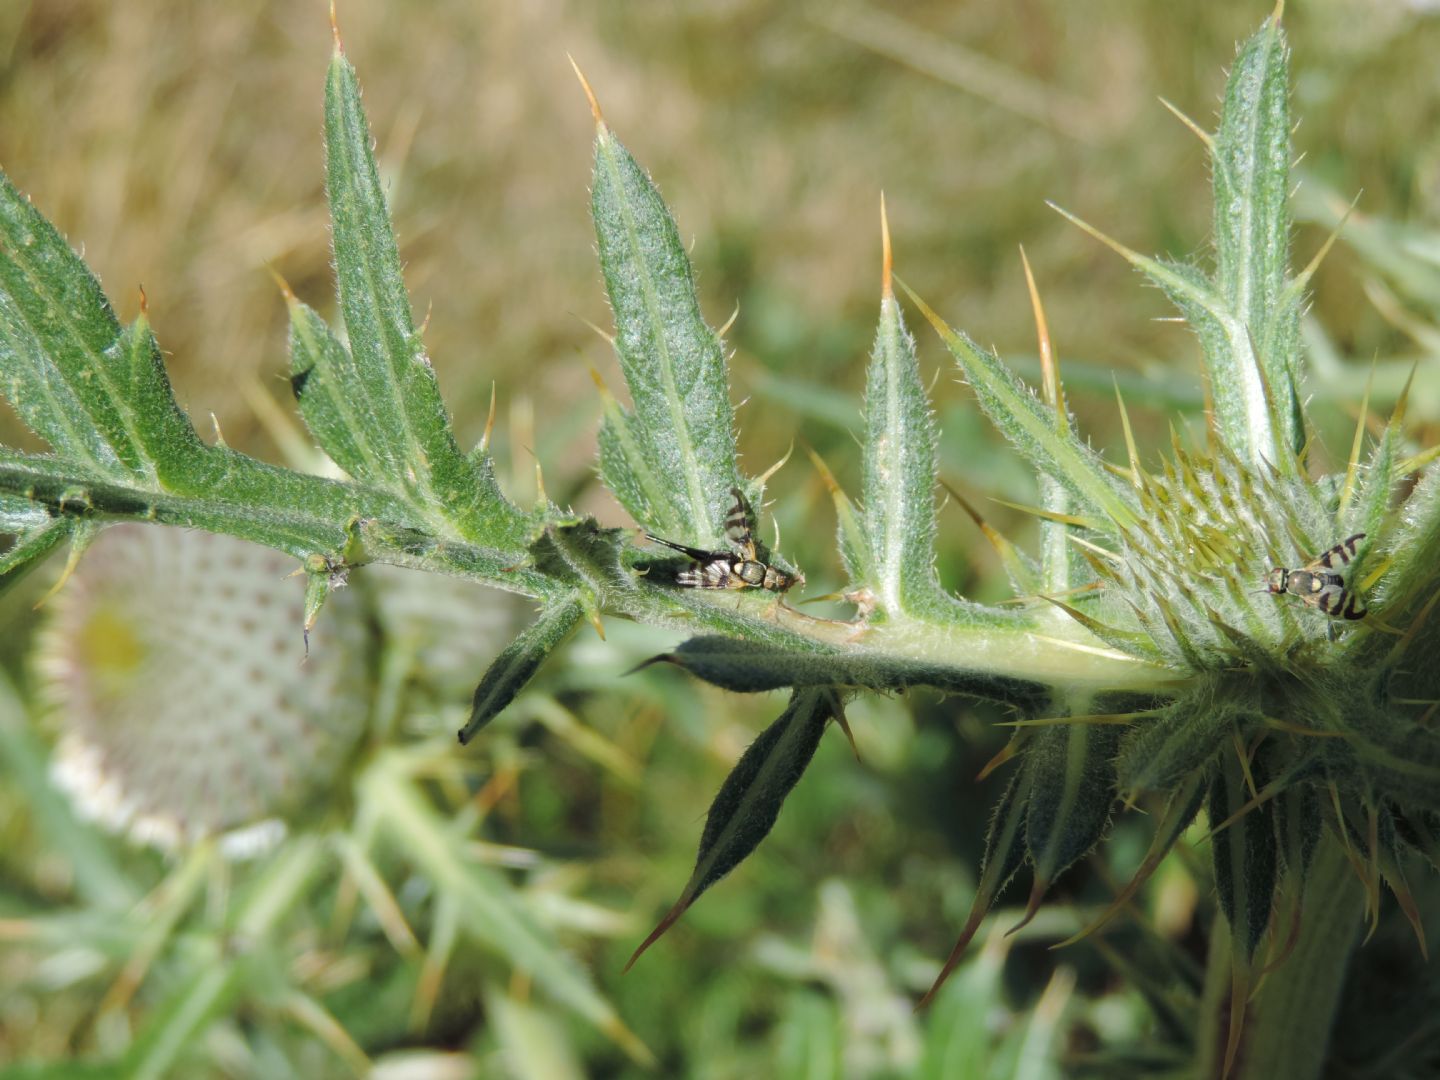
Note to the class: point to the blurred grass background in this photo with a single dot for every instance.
(179, 145)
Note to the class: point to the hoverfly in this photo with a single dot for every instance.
(741, 568)
(1318, 585)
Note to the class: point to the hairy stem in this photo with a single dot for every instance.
(1287, 1024)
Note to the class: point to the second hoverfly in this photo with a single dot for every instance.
(1319, 585)
(741, 568)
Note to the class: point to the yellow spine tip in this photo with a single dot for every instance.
(489, 422)
(887, 256)
(1279, 12)
(281, 284)
(589, 94)
(144, 302)
(335, 31)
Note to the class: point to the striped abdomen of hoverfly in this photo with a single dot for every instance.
(1321, 584)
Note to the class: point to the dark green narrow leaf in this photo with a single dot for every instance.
(398, 400)
(1073, 789)
(749, 801)
(674, 364)
(1245, 855)
(1299, 820)
(513, 669)
(1181, 807)
(1247, 869)
(55, 328)
(749, 667)
(1004, 855)
(899, 471)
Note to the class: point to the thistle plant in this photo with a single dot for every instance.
(1145, 661)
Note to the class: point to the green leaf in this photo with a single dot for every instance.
(31, 547)
(582, 552)
(1182, 804)
(1023, 419)
(1251, 179)
(899, 471)
(749, 801)
(1245, 855)
(1073, 788)
(513, 669)
(624, 469)
(749, 667)
(56, 327)
(171, 452)
(1161, 750)
(400, 433)
(333, 401)
(674, 364)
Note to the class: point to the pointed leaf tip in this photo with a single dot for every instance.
(589, 93)
(671, 917)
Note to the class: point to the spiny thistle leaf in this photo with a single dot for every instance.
(583, 552)
(58, 346)
(512, 670)
(624, 468)
(1004, 855)
(296, 513)
(1245, 856)
(334, 400)
(673, 362)
(1251, 171)
(1071, 795)
(400, 417)
(749, 801)
(1023, 419)
(899, 471)
(1159, 752)
(1181, 807)
(850, 532)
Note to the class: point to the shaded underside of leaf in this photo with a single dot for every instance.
(1073, 790)
(513, 669)
(747, 804)
(751, 667)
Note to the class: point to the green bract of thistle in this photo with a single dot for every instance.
(1146, 661)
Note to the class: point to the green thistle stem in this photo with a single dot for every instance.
(1287, 1026)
